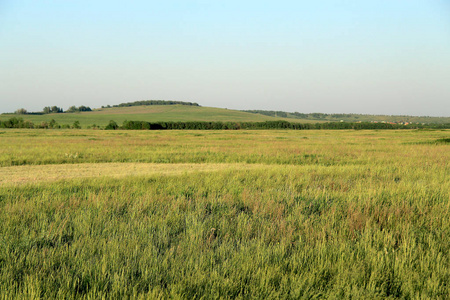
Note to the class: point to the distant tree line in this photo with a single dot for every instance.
(21, 123)
(297, 115)
(314, 116)
(21, 111)
(53, 110)
(350, 117)
(154, 102)
(143, 125)
(81, 108)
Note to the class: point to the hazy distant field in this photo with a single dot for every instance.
(153, 113)
(224, 214)
(353, 118)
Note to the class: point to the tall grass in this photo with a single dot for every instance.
(360, 215)
(36, 147)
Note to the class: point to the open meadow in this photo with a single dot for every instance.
(247, 214)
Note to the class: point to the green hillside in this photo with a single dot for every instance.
(193, 112)
(152, 113)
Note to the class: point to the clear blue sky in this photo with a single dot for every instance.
(361, 56)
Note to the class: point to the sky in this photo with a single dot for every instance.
(362, 56)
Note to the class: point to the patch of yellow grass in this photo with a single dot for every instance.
(26, 174)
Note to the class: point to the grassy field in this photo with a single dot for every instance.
(153, 113)
(224, 214)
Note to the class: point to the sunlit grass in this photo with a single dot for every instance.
(248, 214)
(30, 174)
(22, 147)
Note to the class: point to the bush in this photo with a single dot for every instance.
(76, 125)
(112, 125)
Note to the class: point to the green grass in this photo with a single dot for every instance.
(153, 113)
(325, 214)
(443, 141)
(327, 147)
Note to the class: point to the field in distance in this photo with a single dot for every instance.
(150, 113)
(267, 214)
(352, 118)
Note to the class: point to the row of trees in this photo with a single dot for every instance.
(297, 115)
(143, 125)
(74, 109)
(139, 125)
(155, 102)
(53, 110)
(21, 123)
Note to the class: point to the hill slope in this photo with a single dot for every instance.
(153, 113)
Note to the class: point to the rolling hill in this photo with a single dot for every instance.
(177, 111)
(149, 113)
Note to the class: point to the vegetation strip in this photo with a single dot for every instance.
(201, 125)
(47, 173)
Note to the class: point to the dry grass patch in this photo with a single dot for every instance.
(18, 175)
